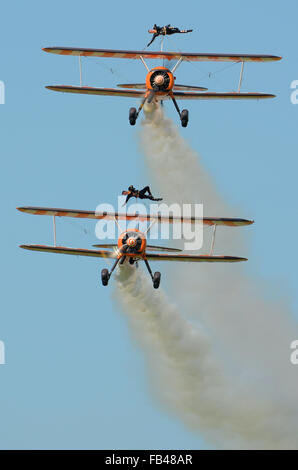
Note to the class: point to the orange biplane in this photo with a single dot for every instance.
(132, 243)
(160, 81)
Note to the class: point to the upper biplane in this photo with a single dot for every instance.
(160, 81)
(132, 244)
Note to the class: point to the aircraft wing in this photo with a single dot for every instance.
(189, 56)
(71, 251)
(193, 258)
(180, 95)
(228, 221)
(96, 91)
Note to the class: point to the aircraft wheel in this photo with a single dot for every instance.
(105, 277)
(184, 118)
(156, 280)
(132, 116)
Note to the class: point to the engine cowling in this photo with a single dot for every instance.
(131, 242)
(160, 79)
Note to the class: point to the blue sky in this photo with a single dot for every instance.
(74, 378)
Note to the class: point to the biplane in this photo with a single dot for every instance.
(160, 82)
(132, 244)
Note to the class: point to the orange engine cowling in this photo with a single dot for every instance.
(132, 242)
(160, 79)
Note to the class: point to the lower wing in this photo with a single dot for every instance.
(86, 90)
(194, 258)
(180, 95)
(70, 251)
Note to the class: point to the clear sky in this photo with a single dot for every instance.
(74, 378)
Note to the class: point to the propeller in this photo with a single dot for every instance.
(160, 80)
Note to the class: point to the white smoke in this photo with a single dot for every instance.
(229, 376)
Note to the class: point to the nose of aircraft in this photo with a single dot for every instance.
(159, 80)
(131, 241)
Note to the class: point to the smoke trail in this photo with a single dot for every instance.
(234, 382)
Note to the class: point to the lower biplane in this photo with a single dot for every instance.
(132, 244)
(160, 82)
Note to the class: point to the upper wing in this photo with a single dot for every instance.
(191, 56)
(86, 90)
(180, 95)
(71, 251)
(194, 258)
(232, 222)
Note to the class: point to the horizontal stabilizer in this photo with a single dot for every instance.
(142, 86)
(228, 221)
(148, 247)
(188, 56)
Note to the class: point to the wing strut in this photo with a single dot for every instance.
(241, 77)
(80, 67)
(146, 66)
(177, 64)
(54, 227)
(213, 240)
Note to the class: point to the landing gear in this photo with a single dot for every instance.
(183, 114)
(133, 113)
(184, 117)
(133, 116)
(105, 276)
(156, 280)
